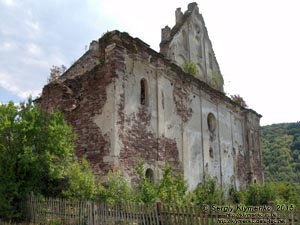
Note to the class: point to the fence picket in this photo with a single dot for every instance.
(47, 210)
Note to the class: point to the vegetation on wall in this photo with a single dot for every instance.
(56, 72)
(216, 80)
(190, 68)
(239, 100)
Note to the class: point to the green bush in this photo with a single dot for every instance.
(117, 191)
(190, 68)
(172, 188)
(146, 189)
(35, 150)
(260, 195)
(82, 181)
(208, 194)
(287, 193)
(236, 197)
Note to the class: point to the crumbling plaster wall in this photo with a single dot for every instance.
(255, 155)
(188, 41)
(114, 130)
(172, 127)
(86, 97)
(139, 131)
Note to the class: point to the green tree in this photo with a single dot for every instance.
(82, 181)
(172, 188)
(117, 191)
(260, 195)
(208, 194)
(280, 162)
(281, 152)
(35, 149)
(146, 189)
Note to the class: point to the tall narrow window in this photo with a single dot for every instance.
(211, 152)
(144, 92)
(185, 42)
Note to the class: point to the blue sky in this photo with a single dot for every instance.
(256, 43)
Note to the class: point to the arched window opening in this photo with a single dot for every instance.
(144, 92)
(150, 175)
(211, 152)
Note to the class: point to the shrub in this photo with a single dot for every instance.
(190, 68)
(117, 191)
(260, 195)
(172, 188)
(82, 181)
(236, 197)
(145, 188)
(208, 194)
(35, 149)
(239, 100)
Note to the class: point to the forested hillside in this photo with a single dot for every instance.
(281, 152)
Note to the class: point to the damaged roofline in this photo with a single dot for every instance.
(174, 67)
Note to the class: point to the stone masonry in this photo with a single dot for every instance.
(127, 102)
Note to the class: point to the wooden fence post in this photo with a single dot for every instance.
(159, 214)
(93, 213)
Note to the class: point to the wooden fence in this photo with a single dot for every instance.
(66, 212)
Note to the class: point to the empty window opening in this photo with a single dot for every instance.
(144, 92)
(211, 152)
(150, 175)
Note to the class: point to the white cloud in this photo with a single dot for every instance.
(33, 27)
(256, 42)
(34, 49)
(11, 84)
(6, 46)
(9, 3)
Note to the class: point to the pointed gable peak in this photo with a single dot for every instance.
(188, 42)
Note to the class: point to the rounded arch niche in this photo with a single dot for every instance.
(149, 175)
(211, 122)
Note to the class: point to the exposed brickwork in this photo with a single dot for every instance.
(81, 98)
(95, 92)
(242, 169)
(141, 144)
(182, 101)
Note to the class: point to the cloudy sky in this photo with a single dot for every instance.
(256, 42)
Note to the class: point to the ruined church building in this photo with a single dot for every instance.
(127, 102)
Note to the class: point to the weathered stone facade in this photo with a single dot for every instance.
(126, 102)
(188, 41)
